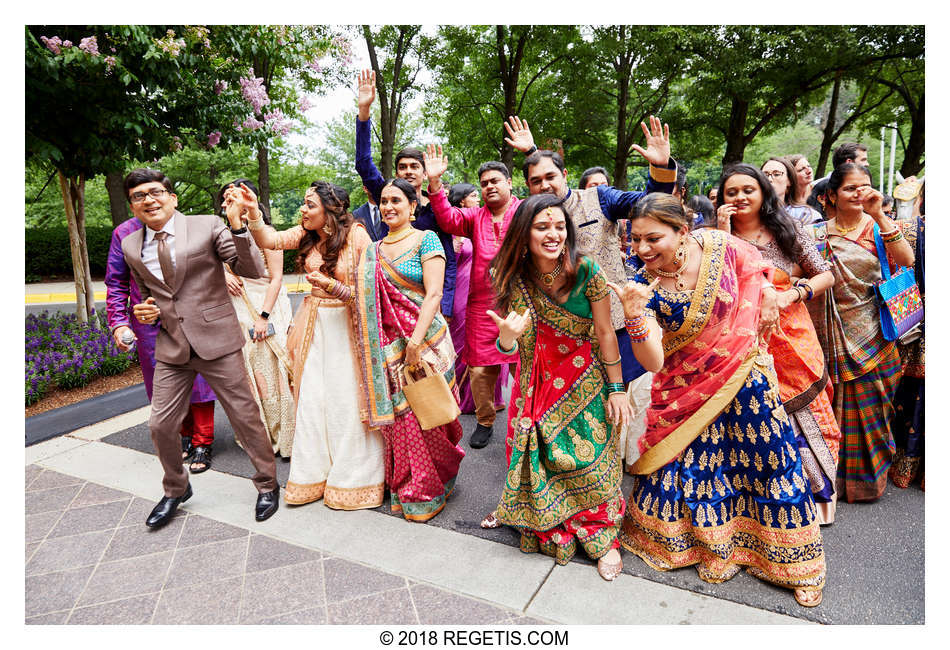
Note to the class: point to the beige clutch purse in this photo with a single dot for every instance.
(430, 398)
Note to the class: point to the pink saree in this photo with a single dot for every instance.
(421, 465)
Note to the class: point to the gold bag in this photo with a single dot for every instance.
(430, 398)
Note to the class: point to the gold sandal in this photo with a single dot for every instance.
(800, 598)
(609, 572)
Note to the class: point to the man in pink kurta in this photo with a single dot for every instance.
(486, 227)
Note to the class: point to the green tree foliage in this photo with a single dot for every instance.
(396, 56)
(618, 76)
(99, 95)
(483, 74)
(277, 66)
(752, 80)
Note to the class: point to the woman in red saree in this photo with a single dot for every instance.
(750, 209)
(562, 488)
(719, 482)
(399, 287)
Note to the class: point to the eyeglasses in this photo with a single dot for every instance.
(771, 175)
(156, 193)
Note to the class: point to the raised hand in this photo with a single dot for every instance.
(872, 202)
(521, 138)
(657, 141)
(366, 93)
(510, 327)
(634, 296)
(435, 164)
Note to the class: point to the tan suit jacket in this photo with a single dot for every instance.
(196, 312)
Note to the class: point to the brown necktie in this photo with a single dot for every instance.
(165, 258)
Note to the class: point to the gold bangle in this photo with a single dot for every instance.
(610, 363)
(255, 224)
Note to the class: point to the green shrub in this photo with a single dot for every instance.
(114, 365)
(48, 253)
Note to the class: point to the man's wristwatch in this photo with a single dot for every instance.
(239, 231)
(530, 151)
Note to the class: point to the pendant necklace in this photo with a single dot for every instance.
(676, 276)
(547, 279)
(845, 231)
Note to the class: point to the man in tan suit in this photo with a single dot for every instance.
(176, 260)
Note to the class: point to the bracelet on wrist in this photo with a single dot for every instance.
(637, 329)
(265, 315)
(255, 224)
(893, 236)
(498, 347)
(803, 283)
(615, 387)
(611, 363)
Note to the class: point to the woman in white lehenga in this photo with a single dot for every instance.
(262, 304)
(335, 456)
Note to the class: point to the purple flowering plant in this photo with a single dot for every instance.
(62, 351)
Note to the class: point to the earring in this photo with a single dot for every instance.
(327, 229)
(681, 252)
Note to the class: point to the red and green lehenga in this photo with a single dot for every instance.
(719, 482)
(562, 488)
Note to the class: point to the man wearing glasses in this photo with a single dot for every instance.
(176, 261)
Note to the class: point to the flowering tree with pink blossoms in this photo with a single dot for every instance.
(280, 65)
(99, 96)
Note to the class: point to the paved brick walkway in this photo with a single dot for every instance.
(91, 560)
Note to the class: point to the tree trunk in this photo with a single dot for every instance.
(76, 248)
(735, 137)
(79, 200)
(118, 203)
(828, 134)
(914, 153)
(263, 177)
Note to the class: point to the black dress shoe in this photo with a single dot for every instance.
(267, 503)
(480, 436)
(163, 512)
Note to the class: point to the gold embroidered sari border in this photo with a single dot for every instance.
(672, 445)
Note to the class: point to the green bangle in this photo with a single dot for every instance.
(615, 387)
(502, 350)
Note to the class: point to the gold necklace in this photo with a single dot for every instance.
(679, 282)
(547, 279)
(398, 236)
(845, 231)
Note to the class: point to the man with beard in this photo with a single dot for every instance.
(486, 227)
(595, 210)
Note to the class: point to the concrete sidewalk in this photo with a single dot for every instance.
(90, 558)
